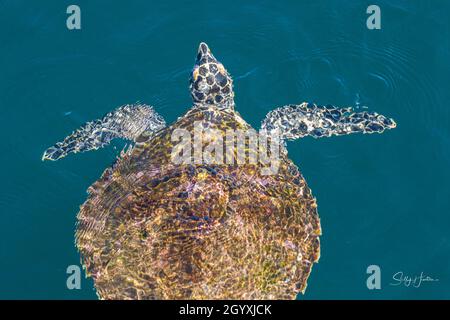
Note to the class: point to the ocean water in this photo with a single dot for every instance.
(383, 199)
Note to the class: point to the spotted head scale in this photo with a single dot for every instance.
(210, 82)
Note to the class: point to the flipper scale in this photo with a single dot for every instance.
(127, 122)
(306, 119)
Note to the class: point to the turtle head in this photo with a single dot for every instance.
(210, 82)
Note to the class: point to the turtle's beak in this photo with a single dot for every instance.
(204, 54)
(203, 48)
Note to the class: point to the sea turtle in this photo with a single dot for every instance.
(154, 228)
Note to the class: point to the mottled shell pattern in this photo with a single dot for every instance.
(152, 229)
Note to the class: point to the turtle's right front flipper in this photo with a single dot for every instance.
(126, 122)
(307, 119)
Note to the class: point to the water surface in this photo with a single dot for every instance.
(383, 199)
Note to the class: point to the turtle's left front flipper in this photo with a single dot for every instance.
(306, 119)
(126, 122)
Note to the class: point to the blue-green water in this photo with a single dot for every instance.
(383, 199)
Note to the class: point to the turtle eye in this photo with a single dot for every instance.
(195, 73)
(221, 68)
